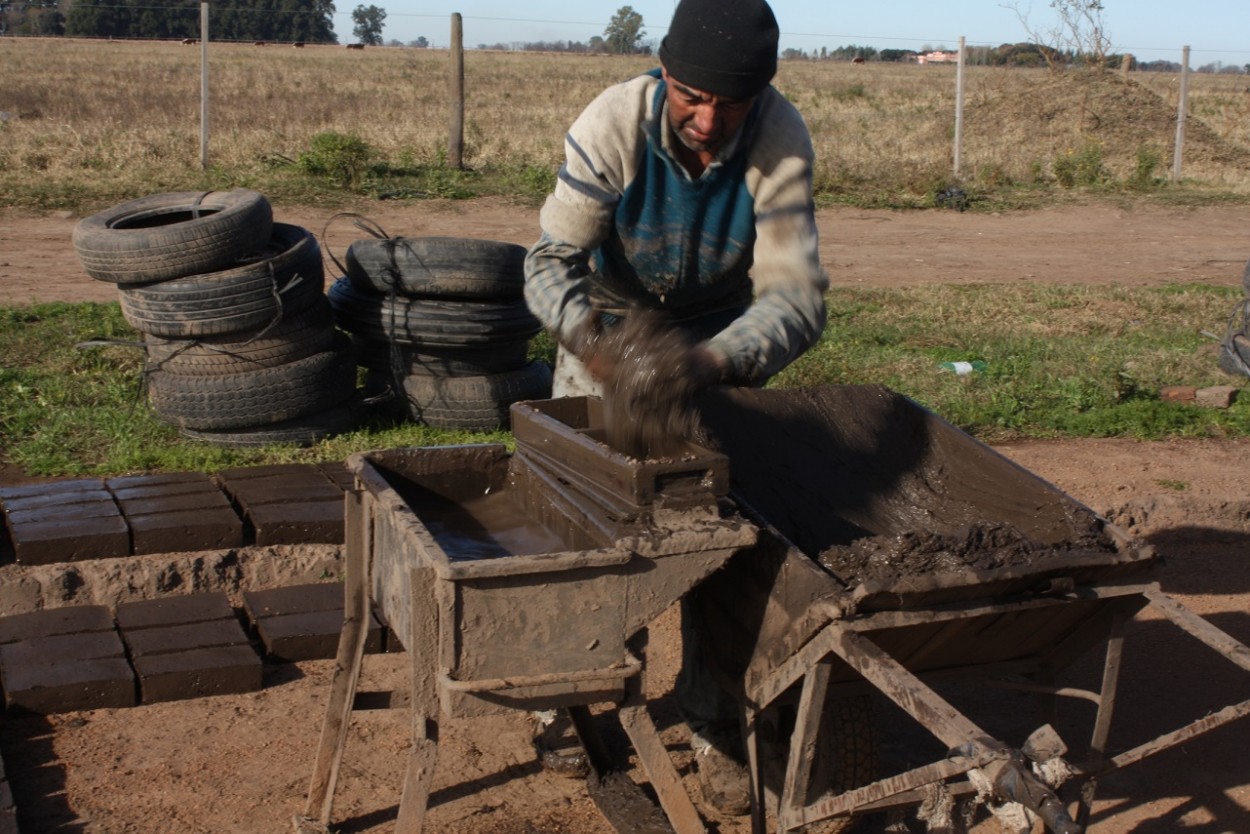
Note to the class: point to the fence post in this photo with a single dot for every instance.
(455, 144)
(204, 84)
(959, 104)
(1181, 107)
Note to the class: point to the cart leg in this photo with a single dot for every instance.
(1102, 721)
(346, 666)
(655, 760)
(803, 740)
(422, 650)
(751, 741)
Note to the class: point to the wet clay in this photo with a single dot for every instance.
(486, 528)
(985, 546)
(651, 383)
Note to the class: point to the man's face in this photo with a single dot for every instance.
(702, 121)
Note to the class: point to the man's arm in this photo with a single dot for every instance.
(556, 290)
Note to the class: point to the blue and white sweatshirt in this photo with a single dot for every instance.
(742, 235)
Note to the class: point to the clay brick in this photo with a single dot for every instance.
(77, 619)
(338, 472)
(263, 491)
(294, 599)
(170, 482)
(225, 670)
(250, 472)
(70, 540)
(171, 503)
(303, 523)
(51, 501)
(190, 530)
(180, 638)
(310, 636)
(46, 651)
(68, 685)
(1217, 396)
(48, 488)
(174, 610)
(1178, 393)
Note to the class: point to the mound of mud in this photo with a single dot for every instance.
(987, 546)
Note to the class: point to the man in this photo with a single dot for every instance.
(686, 192)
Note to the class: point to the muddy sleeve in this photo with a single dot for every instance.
(787, 315)
(601, 150)
(556, 287)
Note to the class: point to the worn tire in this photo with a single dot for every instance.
(1245, 280)
(286, 277)
(256, 398)
(407, 360)
(165, 236)
(444, 267)
(300, 431)
(847, 754)
(474, 403)
(296, 336)
(424, 322)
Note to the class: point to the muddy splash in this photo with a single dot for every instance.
(984, 546)
(648, 395)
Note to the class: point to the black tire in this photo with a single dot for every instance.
(445, 267)
(426, 322)
(286, 277)
(407, 360)
(301, 431)
(256, 398)
(847, 754)
(166, 236)
(474, 403)
(294, 337)
(1245, 280)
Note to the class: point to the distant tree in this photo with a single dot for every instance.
(895, 55)
(369, 22)
(420, 43)
(1078, 31)
(597, 44)
(624, 32)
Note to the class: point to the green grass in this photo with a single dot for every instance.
(1060, 362)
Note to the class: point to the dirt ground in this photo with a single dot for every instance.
(241, 764)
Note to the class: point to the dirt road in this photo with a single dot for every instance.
(1076, 244)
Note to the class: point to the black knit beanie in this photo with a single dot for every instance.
(724, 47)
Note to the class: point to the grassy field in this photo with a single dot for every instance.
(1061, 361)
(93, 122)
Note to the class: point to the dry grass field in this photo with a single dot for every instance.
(91, 121)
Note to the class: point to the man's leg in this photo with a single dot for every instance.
(713, 716)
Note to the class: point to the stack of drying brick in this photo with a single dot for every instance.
(101, 518)
(166, 649)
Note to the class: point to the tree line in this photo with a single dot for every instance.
(310, 21)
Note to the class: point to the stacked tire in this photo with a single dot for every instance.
(441, 325)
(240, 338)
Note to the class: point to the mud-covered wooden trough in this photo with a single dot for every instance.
(897, 552)
(519, 581)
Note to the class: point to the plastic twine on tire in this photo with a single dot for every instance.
(360, 222)
(1232, 331)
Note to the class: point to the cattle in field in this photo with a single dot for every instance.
(259, 43)
(298, 44)
(355, 46)
(858, 59)
(190, 41)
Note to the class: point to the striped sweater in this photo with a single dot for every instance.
(626, 226)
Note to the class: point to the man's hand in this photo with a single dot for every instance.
(707, 368)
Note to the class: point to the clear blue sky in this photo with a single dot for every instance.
(1216, 30)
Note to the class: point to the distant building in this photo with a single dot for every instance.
(938, 57)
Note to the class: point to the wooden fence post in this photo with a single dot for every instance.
(204, 84)
(1181, 107)
(959, 104)
(455, 144)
